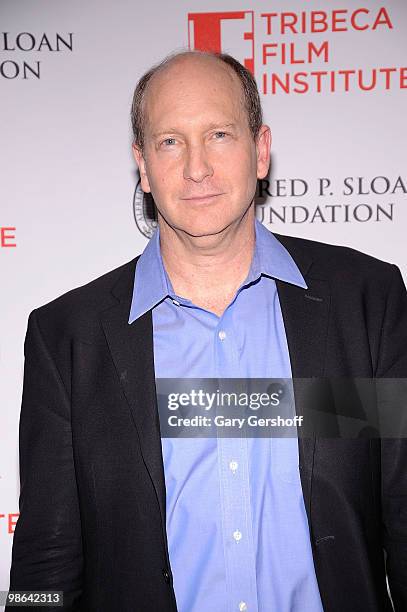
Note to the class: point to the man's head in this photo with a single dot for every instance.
(199, 140)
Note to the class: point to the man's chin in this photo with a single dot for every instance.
(203, 227)
(204, 230)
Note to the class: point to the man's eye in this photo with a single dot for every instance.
(168, 141)
(220, 135)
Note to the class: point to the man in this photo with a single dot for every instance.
(119, 518)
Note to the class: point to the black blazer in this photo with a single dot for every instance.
(92, 503)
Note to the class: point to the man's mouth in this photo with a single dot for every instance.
(201, 198)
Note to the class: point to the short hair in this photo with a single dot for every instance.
(249, 86)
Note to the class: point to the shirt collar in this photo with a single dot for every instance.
(152, 284)
(272, 259)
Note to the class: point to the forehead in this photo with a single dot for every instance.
(191, 91)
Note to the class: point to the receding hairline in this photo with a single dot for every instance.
(186, 56)
(237, 72)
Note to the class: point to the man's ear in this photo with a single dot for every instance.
(139, 157)
(263, 145)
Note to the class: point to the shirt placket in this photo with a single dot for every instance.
(234, 485)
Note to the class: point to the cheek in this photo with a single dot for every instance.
(240, 168)
(167, 169)
(165, 184)
(159, 175)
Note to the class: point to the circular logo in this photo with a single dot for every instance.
(144, 211)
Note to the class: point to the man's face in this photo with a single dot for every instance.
(200, 161)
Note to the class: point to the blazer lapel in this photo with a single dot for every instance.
(305, 314)
(131, 347)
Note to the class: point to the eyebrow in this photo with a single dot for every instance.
(211, 126)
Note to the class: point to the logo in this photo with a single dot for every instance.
(144, 211)
(231, 32)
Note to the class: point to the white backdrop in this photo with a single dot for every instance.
(67, 72)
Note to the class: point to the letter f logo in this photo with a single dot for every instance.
(231, 32)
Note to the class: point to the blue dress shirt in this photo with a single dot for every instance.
(237, 529)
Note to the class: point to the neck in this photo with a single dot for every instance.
(208, 270)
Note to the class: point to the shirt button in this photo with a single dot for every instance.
(237, 535)
(243, 606)
(233, 466)
(222, 334)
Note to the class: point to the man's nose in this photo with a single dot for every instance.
(197, 165)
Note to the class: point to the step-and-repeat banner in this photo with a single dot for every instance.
(333, 83)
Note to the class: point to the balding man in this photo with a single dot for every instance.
(138, 521)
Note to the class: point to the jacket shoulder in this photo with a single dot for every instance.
(330, 260)
(78, 309)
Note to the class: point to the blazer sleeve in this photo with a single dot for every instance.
(47, 546)
(393, 364)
